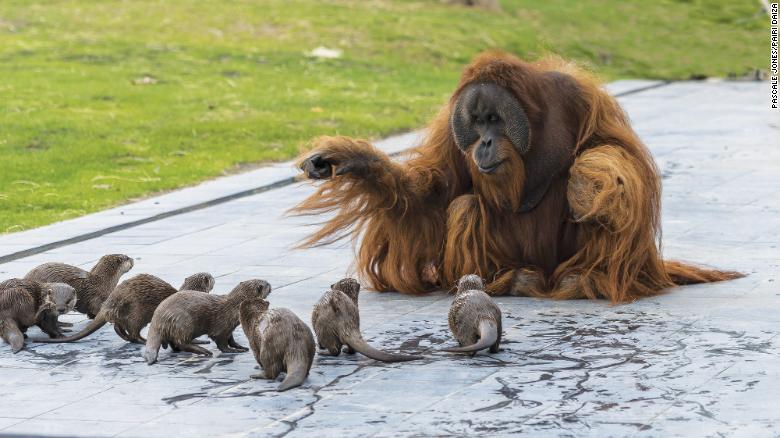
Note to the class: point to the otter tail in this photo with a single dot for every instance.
(153, 342)
(358, 344)
(683, 273)
(94, 325)
(10, 332)
(297, 371)
(488, 335)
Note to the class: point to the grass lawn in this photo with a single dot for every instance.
(105, 101)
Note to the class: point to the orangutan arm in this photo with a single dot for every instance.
(606, 188)
(370, 172)
(613, 195)
(398, 208)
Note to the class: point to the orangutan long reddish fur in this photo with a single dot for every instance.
(423, 224)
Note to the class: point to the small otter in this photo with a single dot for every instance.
(279, 340)
(474, 318)
(131, 305)
(336, 321)
(22, 305)
(63, 295)
(186, 315)
(92, 287)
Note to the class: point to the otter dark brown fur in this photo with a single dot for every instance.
(475, 320)
(186, 315)
(280, 341)
(131, 305)
(336, 321)
(93, 287)
(24, 304)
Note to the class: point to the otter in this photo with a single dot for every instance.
(186, 315)
(336, 321)
(131, 305)
(22, 305)
(93, 287)
(280, 341)
(474, 319)
(63, 296)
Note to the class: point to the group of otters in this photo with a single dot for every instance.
(280, 341)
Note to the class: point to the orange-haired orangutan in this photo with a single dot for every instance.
(531, 176)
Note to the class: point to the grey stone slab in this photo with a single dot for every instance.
(65, 427)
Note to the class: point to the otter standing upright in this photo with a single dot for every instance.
(93, 287)
(185, 315)
(474, 318)
(336, 321)
(279, 340)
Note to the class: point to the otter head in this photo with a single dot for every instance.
(348, 286)
(252, 289)
(470, 282)
(63, 295)
(202, 281)
(118, 263)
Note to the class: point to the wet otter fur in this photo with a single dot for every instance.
(186, 315)
(131, 305)
(474, 319)
(24, 304)
(93, 287)
(63, 295)
(280, 342)
(336, 321)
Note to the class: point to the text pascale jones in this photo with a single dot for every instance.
(773, 54)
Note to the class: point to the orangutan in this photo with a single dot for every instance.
(530, 176)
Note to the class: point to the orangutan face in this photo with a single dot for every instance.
(489, 124)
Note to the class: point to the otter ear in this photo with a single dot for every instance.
(460, 120)
(552, 152)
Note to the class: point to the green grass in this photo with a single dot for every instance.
(234, 86)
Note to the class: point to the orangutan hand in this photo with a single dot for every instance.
(336, 156)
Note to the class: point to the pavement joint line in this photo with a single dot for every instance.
(70, 403)
(211, 203)
(555, 404)
(680, 396)
(21, 420)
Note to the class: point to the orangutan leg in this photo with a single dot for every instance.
(527, 282)
(465, 251)
(521, 282)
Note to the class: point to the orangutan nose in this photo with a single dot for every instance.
(485, 152)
